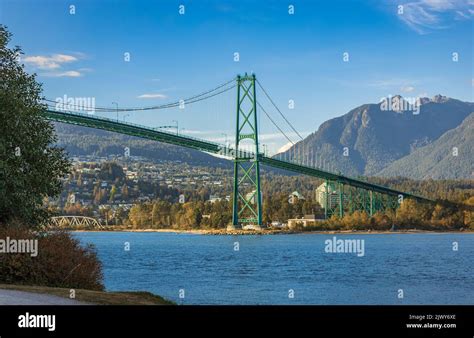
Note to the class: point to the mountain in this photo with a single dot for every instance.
(450, 156)
(88, 141)
(373, 136)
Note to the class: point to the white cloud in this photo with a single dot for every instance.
(69, 73)
(54, 61)
(53, 64)
(462, 15)
(152, 96)
(391, 82)
(425, 15)
(284, 148)
(407, 89)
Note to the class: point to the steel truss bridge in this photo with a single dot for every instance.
(343, 194)
(74, 222)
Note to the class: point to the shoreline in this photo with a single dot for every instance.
(51, 295)
(225, 232)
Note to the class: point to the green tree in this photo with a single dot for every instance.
(135, 215)
(155, 214)
(30, 165)
(140, 215)
(111, 171)
(113, 191)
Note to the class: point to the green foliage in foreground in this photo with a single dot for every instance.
(30, 167)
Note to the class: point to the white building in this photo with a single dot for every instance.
(214, 198)
(295, 196)
(332, 192)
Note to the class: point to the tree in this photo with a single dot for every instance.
(469, 214)
(124, 191)
(155, 214)
(135, 215)
(98, 194)
(121, 216)
(30, 165)
(111, 171)
(113, 191)
(412, 214)
(79, 180)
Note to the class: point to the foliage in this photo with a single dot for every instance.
(30, 167)
(61, 261)
(111, 171)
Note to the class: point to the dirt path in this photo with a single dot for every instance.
(13, 297)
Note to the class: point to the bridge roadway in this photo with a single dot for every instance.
(92, 121)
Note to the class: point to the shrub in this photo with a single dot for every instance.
(381, 222)
(61, 261)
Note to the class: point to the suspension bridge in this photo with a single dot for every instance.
(343, 194)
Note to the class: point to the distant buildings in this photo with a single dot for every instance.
(131, 175)
(251, 197)
(143, 181)
(332, 192)
(278, 225)
(252, 227)
(214, 198)
(294, 197)
(307, 220)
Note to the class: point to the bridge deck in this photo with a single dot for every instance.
(88, 120)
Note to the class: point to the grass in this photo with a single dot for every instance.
(95, 297)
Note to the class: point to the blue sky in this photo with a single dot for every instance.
(298, 57)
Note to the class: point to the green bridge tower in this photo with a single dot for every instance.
(247, 197)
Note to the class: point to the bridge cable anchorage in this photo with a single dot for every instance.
(278, 109)
(192, 99)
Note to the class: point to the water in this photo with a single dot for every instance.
(267, 268)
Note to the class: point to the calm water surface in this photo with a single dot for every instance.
(266, 268)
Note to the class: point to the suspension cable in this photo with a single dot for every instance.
(192, 99)
(274, 123)
(278, 109)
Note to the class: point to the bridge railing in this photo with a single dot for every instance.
(107, 119)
